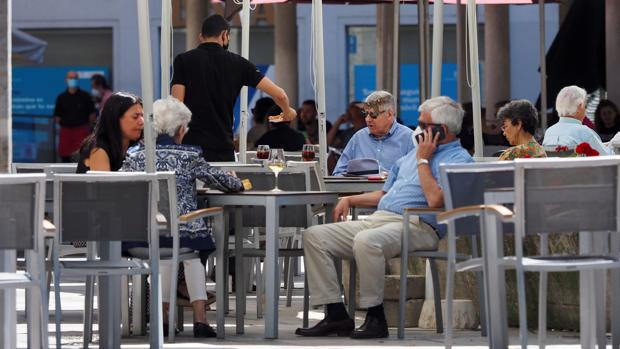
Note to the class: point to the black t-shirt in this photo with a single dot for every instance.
(74, 109)
(282, 136)
(213, 78)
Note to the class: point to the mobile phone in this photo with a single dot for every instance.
(434, 129)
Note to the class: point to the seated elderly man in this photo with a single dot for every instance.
(413, 182)
(569, 131)
(383, 139)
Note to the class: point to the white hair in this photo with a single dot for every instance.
(381, 99)
(569, 99)
(444, 110)
(170, 114)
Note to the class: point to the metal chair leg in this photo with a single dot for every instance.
(352, 287)
(304, 323)
(436, 295)
(88, 309)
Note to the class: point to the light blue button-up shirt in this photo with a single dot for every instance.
(570, 132)
(387, 149)
(403, 189)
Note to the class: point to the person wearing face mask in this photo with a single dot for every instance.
(74, 112)
(101, 91)
(384, 139)
(208, 79)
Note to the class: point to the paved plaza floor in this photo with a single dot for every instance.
(290, 318)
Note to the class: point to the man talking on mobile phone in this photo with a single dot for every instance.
(413, 183)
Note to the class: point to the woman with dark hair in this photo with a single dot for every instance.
(118, 128)
(607, 120)
(520, 120)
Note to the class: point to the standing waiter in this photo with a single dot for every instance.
(208, 80)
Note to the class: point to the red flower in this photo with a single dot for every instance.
(561, 148)
(585, 149)
(526, 156)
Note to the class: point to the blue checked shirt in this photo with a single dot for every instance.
(570, 132)
(403, 189)
(387, 149)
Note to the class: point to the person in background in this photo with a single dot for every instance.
(607, 120)
(74, 111)
(119, 127)
(208, 79)
(383, 139)
(569, 130)
(280, 134)
(171, 118)
(354, 115)
(309, 122)
(259, 120)
(100, 90)
(520, 120)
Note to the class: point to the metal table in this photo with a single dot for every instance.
(352, 184)
(272, 201)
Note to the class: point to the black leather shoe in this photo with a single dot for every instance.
(202, 330)
(372, 327)
(326, 327)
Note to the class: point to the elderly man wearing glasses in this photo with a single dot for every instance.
(413, 182)
(383, 139)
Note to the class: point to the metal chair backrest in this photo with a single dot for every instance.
(167, 204)
(567, 195)
(21, 211)
(317, 183)
(292, 178)
(89, 207)
(465, 184)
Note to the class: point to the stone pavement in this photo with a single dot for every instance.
(290, 318)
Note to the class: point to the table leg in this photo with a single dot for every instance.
(586, 280)
(221, 291)
(8, 313)
(33, 302)
(109, 288)
(272, 277)
(498, 334)
(239, 274)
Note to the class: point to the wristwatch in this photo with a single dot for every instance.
(422, 162)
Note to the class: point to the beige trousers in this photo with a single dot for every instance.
(371, 242)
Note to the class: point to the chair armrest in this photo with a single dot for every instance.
(499, 211)
(48, 227)
(204, 212)
(424, 210)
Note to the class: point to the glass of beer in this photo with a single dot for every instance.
(276, 163)
(307, 152)
(262, 152)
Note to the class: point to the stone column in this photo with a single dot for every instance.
(195, 13)
(612, 49)
(5, 87)
(463, 91)
(285, 38)
(385, 38)
(496, 57)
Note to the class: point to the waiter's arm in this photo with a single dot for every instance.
(178, 92)
(279, 96)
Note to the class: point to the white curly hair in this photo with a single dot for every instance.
(444, 110)
(569, 99)
(169, 115)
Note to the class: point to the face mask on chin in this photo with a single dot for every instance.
(95, 93)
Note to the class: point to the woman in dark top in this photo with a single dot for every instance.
(607, 120)
(119, 127)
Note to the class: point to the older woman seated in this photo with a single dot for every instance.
(520, 119)
(170, 121)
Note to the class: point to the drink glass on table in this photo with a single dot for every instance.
(307, 152)
(262, 152)
(276, 163)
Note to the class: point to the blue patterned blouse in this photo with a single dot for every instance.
(188, 164)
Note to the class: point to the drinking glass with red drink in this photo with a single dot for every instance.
(307, 152)
(262, 152)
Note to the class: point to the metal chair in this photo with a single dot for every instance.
(21, 214)
(108, 209)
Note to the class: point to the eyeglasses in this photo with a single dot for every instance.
(424, 125)
(372, 114)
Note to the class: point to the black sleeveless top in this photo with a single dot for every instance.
(82, 168)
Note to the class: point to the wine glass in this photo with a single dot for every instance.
(276, 164)
(307, 152)
(262, 152)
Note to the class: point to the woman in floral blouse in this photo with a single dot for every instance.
(170, 121)
(520, 121)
